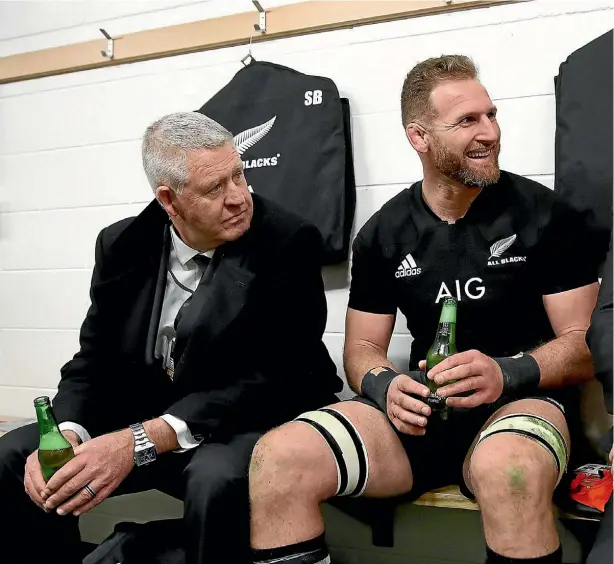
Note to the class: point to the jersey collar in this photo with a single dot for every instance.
(485, 205)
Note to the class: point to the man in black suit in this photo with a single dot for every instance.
(599, 341)
(206, 321)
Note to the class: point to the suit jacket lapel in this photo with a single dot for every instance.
(138, 258)
(218, 300)
(154, 322)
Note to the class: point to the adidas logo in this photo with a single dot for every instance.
(248, 138)
(408, 267)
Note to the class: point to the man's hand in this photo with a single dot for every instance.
(72, 438)
(470, 371)
(33, 482)
(407, 413)
(611, 455)
(102, 463)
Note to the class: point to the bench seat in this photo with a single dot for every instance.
(451, 497)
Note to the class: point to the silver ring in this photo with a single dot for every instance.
(90, 490)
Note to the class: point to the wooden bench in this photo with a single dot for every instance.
(451, 497)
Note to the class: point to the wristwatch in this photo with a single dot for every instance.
(144, 449)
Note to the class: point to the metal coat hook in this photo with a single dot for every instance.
(108, 54)
(261, 26)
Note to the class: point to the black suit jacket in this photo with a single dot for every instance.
(599, 334)
(253, 357)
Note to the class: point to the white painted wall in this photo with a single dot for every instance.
(69, 145)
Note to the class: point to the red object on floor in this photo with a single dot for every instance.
(592, 485)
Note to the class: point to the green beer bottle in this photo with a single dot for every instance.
(53, 450)
(443, 346)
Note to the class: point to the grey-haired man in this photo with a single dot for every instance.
(205, 323)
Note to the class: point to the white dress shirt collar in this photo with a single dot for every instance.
(184, 252)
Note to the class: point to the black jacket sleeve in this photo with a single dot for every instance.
(599, 335)
(292, 367)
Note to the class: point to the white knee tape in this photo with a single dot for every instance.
(537, 429)
(347, 447)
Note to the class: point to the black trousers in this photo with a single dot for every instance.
(601, 553)
(211, 479)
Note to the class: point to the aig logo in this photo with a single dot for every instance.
(472, 289)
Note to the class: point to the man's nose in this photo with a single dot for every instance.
(489, 130)
(235, 195)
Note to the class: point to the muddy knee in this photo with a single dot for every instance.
(320, 454)
(291, 462)
(518, 455)
(512, 473)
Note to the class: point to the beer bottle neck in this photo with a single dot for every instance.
(448, 314)
(446, 332)
(46, 420)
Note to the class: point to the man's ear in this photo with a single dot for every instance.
(166, 197)
(416, 135)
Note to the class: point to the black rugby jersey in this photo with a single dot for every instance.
(517, 242)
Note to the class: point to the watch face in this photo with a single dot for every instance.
(145, 457)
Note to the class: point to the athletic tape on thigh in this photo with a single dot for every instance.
(347, 447)
(537, 429)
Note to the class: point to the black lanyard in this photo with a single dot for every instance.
(179, 283)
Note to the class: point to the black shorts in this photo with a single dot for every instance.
(437, 457)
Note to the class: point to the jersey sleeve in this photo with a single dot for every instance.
(371, 289)
(566, 259)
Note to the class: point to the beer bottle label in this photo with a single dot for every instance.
(435, 401)
(444, 329)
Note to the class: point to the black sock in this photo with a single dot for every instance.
(313, 551)
(555, 558)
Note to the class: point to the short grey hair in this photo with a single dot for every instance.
(168, 141)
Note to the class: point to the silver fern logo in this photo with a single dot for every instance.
(498, 248)
(501, 246)
(248, 138)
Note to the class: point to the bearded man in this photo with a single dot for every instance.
(510, 253)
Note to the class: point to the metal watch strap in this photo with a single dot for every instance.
(144, 449)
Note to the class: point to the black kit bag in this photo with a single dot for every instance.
(583, 141)
(292, 132)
